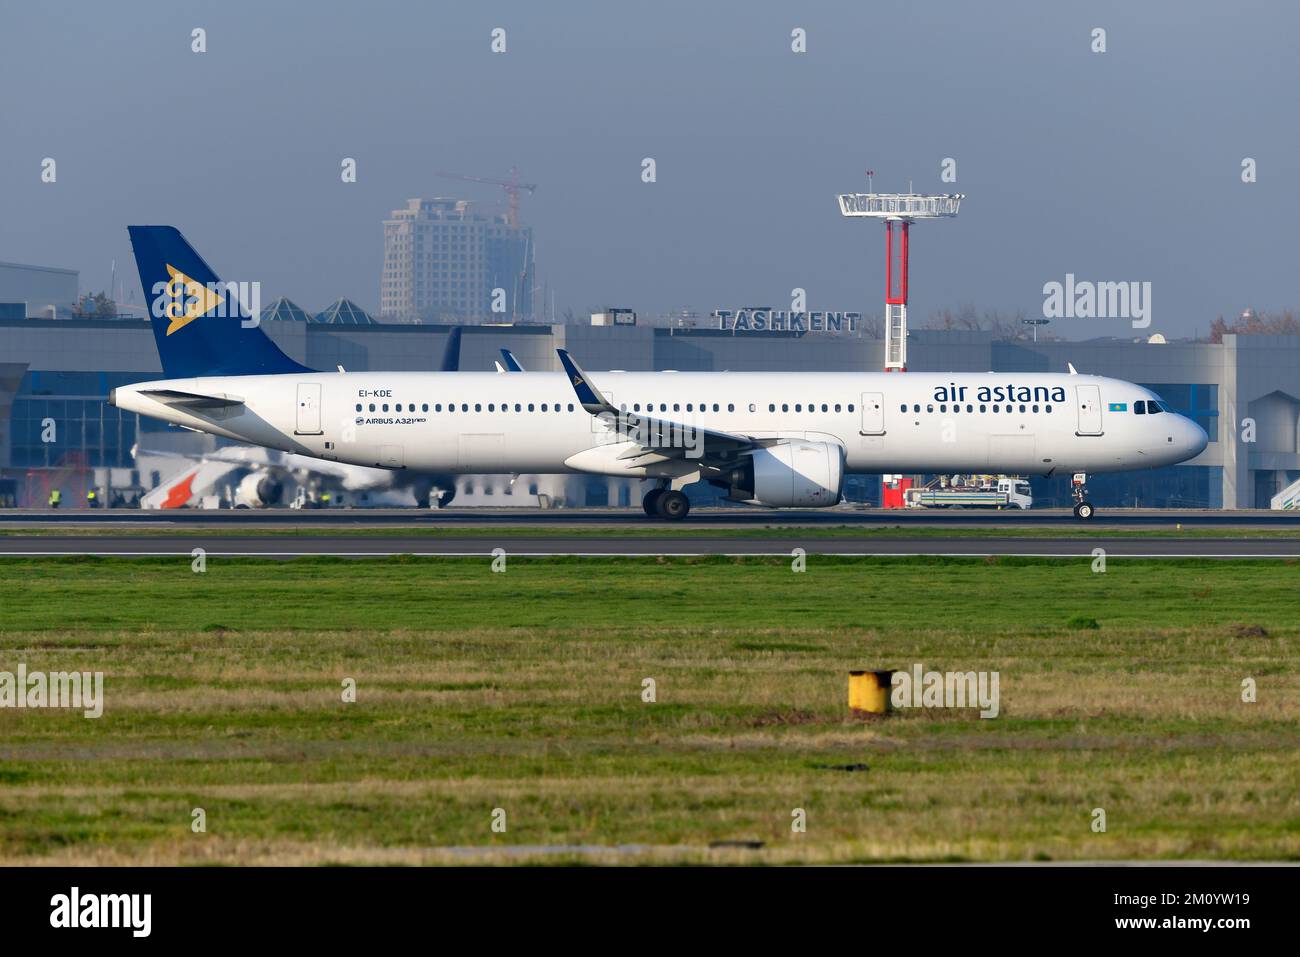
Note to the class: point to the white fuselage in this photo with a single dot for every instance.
(531, 422)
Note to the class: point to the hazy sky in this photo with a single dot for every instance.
(1115, 166)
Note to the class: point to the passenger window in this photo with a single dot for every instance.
(825, 408)
(903, 407)
(636, 406)
(850, 406)
(464, 406)
(970, 408)
(785, 407)
(984, 408)
(424, 407)
(1035, 408)
(358, 406)
(478, 407)
(570, 406)
(1022, 408)
(1047, 408)
(771, 407)
(385, 406)
(543, 406)
(798, 407)
(929, 408)
(688, 407)
(491, 407)
(837, 407)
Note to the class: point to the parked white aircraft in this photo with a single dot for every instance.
(773, 439)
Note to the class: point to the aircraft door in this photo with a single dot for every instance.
(1088, 398)
(308, 422)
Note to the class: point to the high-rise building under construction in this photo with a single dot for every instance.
(443, 259)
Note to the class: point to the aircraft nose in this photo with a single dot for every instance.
(1195, 438)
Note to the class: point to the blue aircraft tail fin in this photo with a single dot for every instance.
(202, 326)
(451, 352)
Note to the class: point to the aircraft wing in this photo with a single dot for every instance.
(651, 439)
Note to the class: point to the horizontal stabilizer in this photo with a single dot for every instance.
(193, 400)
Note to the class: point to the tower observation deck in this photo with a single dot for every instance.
(902, 209)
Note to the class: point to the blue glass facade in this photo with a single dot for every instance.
(87, 431)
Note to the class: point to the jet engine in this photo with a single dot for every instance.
(258, 490)
(793, 474)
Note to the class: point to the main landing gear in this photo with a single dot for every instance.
(1079, 489)
(666, 503)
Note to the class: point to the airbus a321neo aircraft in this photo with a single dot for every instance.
(783, 440)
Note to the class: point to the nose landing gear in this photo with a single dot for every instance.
(1079, 489)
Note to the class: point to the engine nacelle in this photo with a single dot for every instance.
(258, 490)
(793, 474)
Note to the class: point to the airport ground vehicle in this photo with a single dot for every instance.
(973, 491)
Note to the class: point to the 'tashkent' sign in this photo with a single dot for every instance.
(777, 320)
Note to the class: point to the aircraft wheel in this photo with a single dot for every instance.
(673, 505)
(651, 502)
(1083, 511)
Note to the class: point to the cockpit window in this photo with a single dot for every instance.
(1140, 407)
(1154, 407)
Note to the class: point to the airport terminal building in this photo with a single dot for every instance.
(57, 430)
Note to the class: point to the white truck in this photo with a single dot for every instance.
(999, 491)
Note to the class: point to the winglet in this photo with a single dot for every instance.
(1073, 370)
(512, 364)
(591, 400)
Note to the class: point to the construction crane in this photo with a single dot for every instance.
(512, 187)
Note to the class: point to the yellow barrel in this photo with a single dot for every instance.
(869, 691)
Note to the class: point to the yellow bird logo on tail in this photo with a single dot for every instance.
(190, 299)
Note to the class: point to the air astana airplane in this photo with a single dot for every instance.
(775, 439)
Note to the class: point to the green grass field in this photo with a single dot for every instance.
(523, 691)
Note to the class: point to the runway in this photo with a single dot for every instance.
(729, 518)
(522, 546)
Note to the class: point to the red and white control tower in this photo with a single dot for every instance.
(901, 209)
